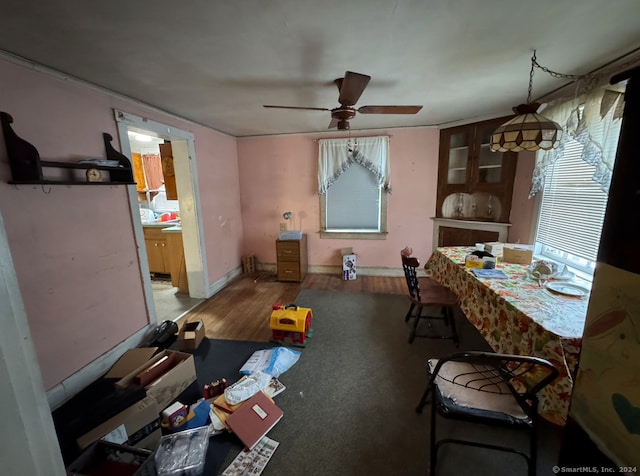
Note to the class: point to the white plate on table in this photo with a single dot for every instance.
(569, 289)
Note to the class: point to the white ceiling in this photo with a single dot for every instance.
(217, 62)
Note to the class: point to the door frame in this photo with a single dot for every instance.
(183, 145)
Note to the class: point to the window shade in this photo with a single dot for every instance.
(353, 201)
(573, 206)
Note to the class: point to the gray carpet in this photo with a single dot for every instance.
(349, 407)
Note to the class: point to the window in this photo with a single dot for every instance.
(572, 212)
(353, 182)
(353, 202)
(574, 180)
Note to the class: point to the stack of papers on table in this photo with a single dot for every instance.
(489, 273)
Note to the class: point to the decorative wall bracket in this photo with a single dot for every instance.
(27, 167)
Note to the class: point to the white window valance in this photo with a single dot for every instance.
(593, 120)
(337, 155)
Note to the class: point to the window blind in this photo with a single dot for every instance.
(573, 206)
(353, 201)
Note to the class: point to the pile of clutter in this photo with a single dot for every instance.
(142, 440)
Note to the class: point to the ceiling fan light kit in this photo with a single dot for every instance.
(350, 88)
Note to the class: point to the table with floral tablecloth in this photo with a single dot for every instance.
(517, 316)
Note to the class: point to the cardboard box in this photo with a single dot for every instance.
(138, 425)
(191, 335)
(168, 386)
(348, 264)
(517, 254)
(109, 458)
(494, 247)
(473, 261)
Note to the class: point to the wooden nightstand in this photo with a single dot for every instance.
(291, 258)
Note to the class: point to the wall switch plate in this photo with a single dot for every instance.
(283, 227)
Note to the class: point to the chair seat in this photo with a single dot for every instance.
(476, 391)
(432, 293)
(487, 388)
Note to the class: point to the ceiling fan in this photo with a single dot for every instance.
(350, 88)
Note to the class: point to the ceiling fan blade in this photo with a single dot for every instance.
(333, 124)
(298, 107)
(389, 109)
(352, 87)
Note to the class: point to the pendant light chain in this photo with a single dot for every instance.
(555, 74)
(533, 63)
(529, 130)
(591, 78)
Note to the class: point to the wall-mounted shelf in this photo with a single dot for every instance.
(27, 168)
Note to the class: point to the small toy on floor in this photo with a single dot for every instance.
(215, 388)
(291, 324)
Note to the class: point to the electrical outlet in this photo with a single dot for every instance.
(283, 227)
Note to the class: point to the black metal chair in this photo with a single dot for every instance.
(494, 389)
(428, 292)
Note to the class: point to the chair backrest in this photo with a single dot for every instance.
(524, 375)
(409, 265)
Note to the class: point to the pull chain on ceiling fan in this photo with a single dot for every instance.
(350, 89)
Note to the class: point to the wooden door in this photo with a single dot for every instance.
(166, 155)
(177, 266)
(156, 250)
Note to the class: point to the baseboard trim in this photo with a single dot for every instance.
(215, 287)
(62, 392)
(70, 386)
(337, 270)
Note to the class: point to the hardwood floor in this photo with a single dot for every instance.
(241, 311)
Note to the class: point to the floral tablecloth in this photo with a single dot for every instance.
(517, 316)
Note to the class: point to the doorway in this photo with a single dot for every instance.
(152, 210)
(159, 210)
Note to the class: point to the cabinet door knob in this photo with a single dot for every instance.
(164, 244)
(155, 244)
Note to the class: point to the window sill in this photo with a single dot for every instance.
(352, 235)
(580, 276)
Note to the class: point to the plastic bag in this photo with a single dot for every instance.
(274, 362)
(259, 361)
(246, 388)
(282, 360)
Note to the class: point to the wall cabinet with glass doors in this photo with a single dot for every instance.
(473, 182)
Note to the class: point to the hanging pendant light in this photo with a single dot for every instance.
(528, 130)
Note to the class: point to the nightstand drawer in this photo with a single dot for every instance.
(288, 250)
(291, 259)
(289, 271)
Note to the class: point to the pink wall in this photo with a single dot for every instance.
(279, 173)
(73, 247)
(220, 198)
(522, 208)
